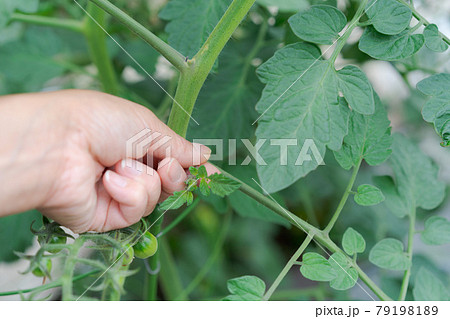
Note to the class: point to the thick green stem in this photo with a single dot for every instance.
(69, 266)
(96, 40)
(211, 259)
(289, 265)
(172, 55)
(191, 81)
(344, 198)
(351, 26)
(169, 278)
(407, 275)
(422, 20)
(68, 24)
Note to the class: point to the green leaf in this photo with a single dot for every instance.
(245, 288)
(357, 89)
(175, 201)
(346, 277)
(416, 175)
(390, 47)
(388, 16)
(316, 267)
(285, 5)
(433, 40)
(437, 108)
(7, 8)
(389, 254)
(221, 185)
(428, 287)
(319, 24)
(437, 231)
(299, 102)
(204, 188)
(353, 242)
(248, 207)
(394, 202)
(202, 173)
(191, 22)
(225, 107)
(15, 231)
(369, 138)
(368, 195)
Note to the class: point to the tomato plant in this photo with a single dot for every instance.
(325, 177)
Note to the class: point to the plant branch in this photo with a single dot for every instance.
(172, 55)
(192, 80)
(344, 198)
(290, 263)
(96, 40)
(68, 24)
(179, 218)
(407, 275)
(422, 19)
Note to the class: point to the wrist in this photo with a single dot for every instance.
(30, 150)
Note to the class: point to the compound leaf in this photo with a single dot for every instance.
(353, 242)
(369, 138)
(389, 254)
(433, 40)
(245, 288)
(175, 201)
(415, 175)
(428, 287)
(191, 22)
(368, 195)
(388, 16)
(346, 277)
(393, 201)
(437, 231)
(319, 24)
(437, 108)
(299, 103)
(221, 185)
(316, 267)
(390, 47)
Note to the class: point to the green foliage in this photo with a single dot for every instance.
(397, 204)
(285, 5)
(437, 231)
(416, 175)
(437, 108)
(316, 267)
(428, 287)
(245, 288)
(353, 242)
(368, 195)
(191, 22)
(389, 254)
(324, 24)
(346, 277)
(390, 47)
(433, 39)
(369, 138)
(388, 16)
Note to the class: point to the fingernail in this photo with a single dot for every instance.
(132, 167)
(175, 171)
(116, 179)
(205, 151)
(164, 162)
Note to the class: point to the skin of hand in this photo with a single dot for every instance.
(64, 153)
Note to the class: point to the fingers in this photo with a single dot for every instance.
(111, 124)
(134, 189)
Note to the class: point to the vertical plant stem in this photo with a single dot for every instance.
(96, 41)
(169, 278)
(289, 265)
(211, 259)
(69, 265)
(192, 80)
(152, 279)
(407, 275)
(344, 198)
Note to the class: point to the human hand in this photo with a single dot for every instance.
(64, 154)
